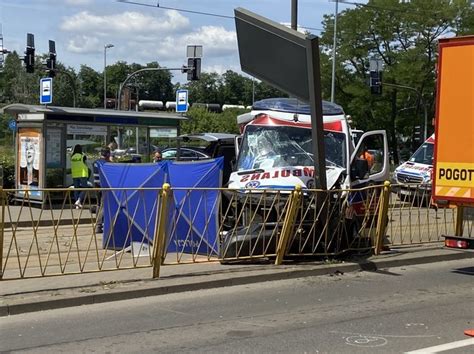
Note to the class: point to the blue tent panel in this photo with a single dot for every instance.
(194, 218)
(130, 215)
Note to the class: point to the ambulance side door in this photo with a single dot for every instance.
(370, 160)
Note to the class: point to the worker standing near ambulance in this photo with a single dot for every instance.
(80, 174)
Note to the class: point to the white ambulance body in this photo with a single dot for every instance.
(276, 148)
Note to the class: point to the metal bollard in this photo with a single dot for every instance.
(288, 224)
(160, 229)
(382, 217)
(459, 220)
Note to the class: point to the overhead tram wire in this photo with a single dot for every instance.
(158, 6)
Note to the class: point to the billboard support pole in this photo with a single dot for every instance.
(317, 127)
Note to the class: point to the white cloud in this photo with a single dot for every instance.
(220, 68)
(79, 2)
(216, 42)
(84, 44)
(128, 24)
(141, 38)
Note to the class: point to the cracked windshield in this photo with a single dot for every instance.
(269, 147)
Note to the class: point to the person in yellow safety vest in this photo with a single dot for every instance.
(80, 174)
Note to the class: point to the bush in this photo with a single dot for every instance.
(8, 164)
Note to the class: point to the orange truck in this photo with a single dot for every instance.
(453, 182)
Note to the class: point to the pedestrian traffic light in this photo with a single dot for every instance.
(194, 71)
(29, 58)
(51, 61)
(376, 82)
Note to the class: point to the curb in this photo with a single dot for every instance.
(272, 275)
(48, 223)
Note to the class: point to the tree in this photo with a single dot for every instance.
(236, 88)
(156, 85)
(404, 36)
(203, 121)
(148, 85)
(90, 88)
(205, 90)
(66, 87)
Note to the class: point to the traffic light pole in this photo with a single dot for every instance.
(122, 85)
(71, 79)
(422, 101)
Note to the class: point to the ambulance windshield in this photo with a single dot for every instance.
(283, 146)
(424, 154)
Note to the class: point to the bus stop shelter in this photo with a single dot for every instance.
(46, 135)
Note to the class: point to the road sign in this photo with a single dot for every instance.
(181, 101)
(12, 125)
(46, 90)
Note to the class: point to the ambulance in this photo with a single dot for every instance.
(276, 148)
(412, 179)
(276, 153)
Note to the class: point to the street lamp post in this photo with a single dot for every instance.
(107, 46)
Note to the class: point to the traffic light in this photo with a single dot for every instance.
(29, 58)
(376, 82)
(197, 69)
(51, 61)
(195, 72)
(417, 133)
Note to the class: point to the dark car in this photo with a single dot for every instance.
(185, 154)
(203, 146)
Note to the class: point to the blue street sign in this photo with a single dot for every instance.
(181, 101)
(12, 125)
(46, 90)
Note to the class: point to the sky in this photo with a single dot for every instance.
(142, 34)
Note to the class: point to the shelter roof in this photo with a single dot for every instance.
(17, 108)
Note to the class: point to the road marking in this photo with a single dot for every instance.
(366, 341)
(385, 335)
(443, 347)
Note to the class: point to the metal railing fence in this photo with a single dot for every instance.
(125, 228)
(414, 219)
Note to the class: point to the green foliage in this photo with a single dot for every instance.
(7, 161)
(404, 36)
(203, 121)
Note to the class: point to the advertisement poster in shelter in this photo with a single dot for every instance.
(29, 166)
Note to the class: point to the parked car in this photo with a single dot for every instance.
(201, 146)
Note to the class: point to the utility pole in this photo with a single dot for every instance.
(294, 14)
(333, 73)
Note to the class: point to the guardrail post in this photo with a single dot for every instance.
(459, 220)
(288, 224)
(382, 217)
(160, 229)
(2, 228)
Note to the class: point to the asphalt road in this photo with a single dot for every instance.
(394, 310)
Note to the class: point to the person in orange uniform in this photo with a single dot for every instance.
(366, 155)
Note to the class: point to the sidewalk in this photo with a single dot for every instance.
(29, 295)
